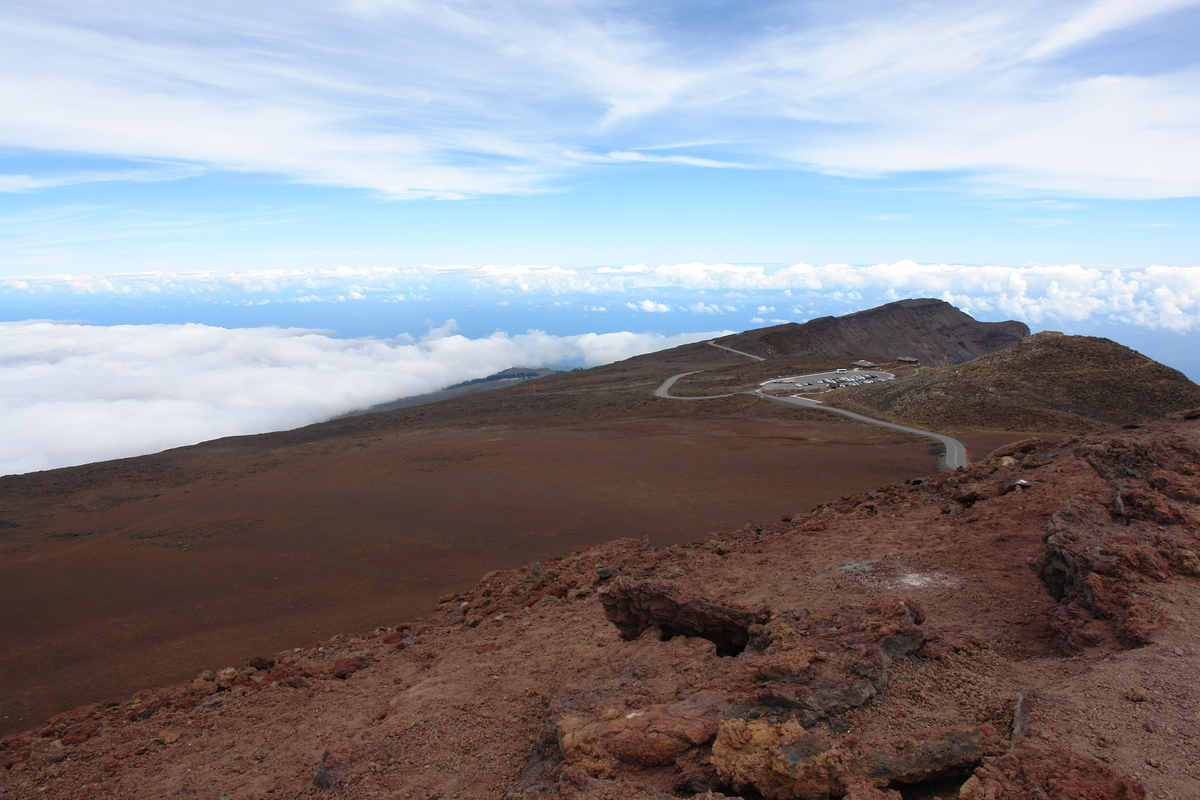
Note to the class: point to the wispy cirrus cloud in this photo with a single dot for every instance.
(467, 97)
(28, 183)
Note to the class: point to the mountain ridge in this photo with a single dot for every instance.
(931, 330)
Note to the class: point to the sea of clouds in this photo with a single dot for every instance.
(72, 394)
(1156, 297)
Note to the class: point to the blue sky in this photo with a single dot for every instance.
(373, 168)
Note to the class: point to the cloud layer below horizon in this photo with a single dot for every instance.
(72, 394)
(1153, 297)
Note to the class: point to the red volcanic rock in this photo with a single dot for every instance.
(345, 667)
(1143, 502)
(648, 710)
(1048, 774)
(1129, 459)
(636, 606)
(785, 762)
(1185, 488)
(1094, 567)
(864, 791)
(648, 737)
(816, 666)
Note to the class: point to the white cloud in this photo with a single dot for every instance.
(1099, 18)
(463, 97)
(650, 307)
(1161, 297)
(28, 183)
(618, 155)
(71, 394)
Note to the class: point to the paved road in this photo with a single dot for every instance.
(955, 455)
(665, 389)
(730, 349)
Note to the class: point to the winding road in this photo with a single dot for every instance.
(954, 456)
(665, 389)
(739, 352)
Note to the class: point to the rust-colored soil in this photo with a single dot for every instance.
(451, 707)
(107, 590)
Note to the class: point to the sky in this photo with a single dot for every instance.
(214, 207)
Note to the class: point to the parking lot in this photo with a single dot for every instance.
(821, 381)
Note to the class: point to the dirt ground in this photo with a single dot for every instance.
(451, 707)
(107, 590)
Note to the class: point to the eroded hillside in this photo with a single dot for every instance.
(1025, 627)
(1047, 382)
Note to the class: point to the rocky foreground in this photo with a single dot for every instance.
(1023, 628)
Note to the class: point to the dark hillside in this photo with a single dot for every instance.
(931, 330)
(1046, 382)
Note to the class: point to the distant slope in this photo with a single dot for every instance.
(931, 330)
(509, 377)
(1046, 382)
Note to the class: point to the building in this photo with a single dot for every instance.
(864, 365)
(908, 360)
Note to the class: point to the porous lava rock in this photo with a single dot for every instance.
(647, 710)
(786, 762)
(863, 791)
(635, 606)
(1051, 773)
(1097, 562)
(814, 666)
(1094, 568)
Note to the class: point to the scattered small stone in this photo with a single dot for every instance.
(345, 667)
(226, 677)
(321, 778)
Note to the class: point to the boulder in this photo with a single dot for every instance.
(635, 606)
(1094, 567)
(653, 736)
(648, 710)
(1051, 773)
(783, 761)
